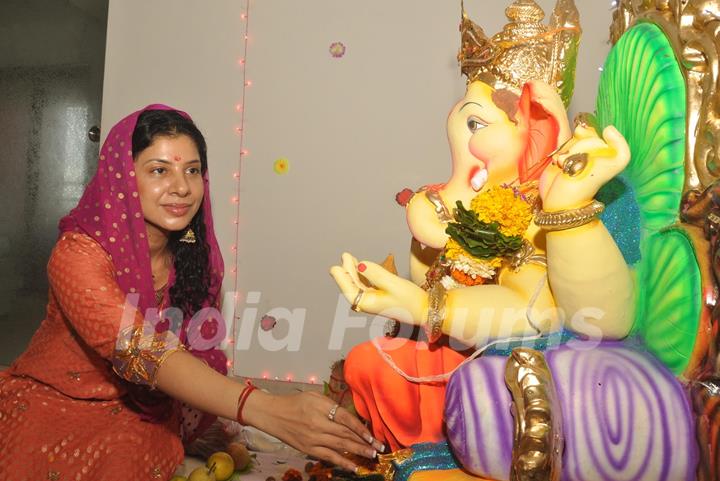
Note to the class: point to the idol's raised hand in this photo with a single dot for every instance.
(582, 167)
(370, 288)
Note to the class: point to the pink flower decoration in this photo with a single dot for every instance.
(267, 323)
(337, 49)
(404, 196)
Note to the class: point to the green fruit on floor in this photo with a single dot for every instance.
(222, 464)
(240, 455)
(202, 474)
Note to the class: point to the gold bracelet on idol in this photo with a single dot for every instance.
(436, 312)
(568, 219)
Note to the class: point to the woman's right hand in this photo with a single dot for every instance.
(302, 420)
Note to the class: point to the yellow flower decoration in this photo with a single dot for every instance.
(453, 250)
(504, 206)
(281, 166)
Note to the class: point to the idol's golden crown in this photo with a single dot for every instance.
(526, 49)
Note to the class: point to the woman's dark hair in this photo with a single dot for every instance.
(192, 275)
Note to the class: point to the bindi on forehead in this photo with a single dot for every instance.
(177, 158)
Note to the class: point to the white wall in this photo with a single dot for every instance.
(355, 130)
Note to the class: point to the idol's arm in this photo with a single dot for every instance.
(520, 305)
(591, 282)
(472, 315)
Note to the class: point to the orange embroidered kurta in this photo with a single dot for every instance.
(63, 409)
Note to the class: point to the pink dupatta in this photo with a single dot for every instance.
(109, 211)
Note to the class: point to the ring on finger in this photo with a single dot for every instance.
(333, 412)
(575, 164)
(356, 303)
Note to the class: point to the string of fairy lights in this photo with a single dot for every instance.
(235, 200)
(240, 129)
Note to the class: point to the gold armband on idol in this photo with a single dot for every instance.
(433, 196)
(441, 211)
(568, 219)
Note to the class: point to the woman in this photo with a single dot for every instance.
(97, 393)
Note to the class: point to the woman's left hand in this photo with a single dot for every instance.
(313, 424)
(372, 289)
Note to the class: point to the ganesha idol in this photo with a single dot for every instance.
(563, 279)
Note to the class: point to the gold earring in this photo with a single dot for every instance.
(189, 237)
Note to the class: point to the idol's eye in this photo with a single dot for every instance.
(475, 124)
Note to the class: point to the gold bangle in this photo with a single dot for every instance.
(568, 219)
(436, 312)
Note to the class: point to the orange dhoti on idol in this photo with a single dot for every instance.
(401, 413)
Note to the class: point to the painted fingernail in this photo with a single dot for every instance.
(371, 454)
(369, 439)
(355, 469)
(362, 267)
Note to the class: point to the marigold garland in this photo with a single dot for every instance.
(502, 209)
(505, 206)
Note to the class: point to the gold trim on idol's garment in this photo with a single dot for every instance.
(538, 443)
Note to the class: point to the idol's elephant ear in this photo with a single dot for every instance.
(542, 120)
(643, 94)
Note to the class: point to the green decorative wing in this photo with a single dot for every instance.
(670, 297)
(642, 93)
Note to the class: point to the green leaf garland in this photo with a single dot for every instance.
(480, 239)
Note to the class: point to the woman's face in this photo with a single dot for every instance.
(170, 182)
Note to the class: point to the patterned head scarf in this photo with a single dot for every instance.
(110, 212)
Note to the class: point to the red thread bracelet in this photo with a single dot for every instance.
(244, 395)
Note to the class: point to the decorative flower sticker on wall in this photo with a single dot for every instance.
(267, 323)
(337, 49)
(281, 166)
